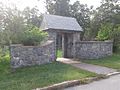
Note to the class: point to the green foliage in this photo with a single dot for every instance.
(4, 53)
(110, 32)
(105, 32)
(116, 37)
(13, 23)
(33, 36)
(107, 12)
(59, 53)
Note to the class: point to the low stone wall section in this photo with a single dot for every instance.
(32, 55)
(93, 49)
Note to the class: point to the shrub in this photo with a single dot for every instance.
(33, 36)
(105, 32)
(29, 35)
(116, 36)
(4, 53)
(108, 31)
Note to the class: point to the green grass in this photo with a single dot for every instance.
(38, 76)
(111, 62)
(59, 53)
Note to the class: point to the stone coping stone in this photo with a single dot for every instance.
(45, 44)
(91, 42)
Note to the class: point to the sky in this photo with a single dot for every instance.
(21, 4)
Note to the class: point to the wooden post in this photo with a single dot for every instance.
(64, 45)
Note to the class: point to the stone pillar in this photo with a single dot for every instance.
(69, 46)
(53, 36)
(76, 38)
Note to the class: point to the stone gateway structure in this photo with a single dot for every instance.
(63, 30)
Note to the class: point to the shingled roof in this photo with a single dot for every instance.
(60, 23)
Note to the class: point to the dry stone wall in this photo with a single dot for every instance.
(93, 49)
(32, 55)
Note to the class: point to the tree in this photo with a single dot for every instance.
(82, 13)
(108, 12)
(58, 7)
(14, 22)
(32, 16)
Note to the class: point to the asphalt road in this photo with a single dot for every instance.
(112, 83)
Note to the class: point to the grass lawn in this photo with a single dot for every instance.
(38, 76)
(112, 61)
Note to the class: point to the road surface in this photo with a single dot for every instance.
(112, 83)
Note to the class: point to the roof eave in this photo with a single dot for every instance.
(60, 30)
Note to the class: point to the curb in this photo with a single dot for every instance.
(60, 85)
(112, 74)
(72, 83)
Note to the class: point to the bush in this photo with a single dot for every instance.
(116, 36)
(4, 53)
(105, 32)
(33, 36)
(29, 35)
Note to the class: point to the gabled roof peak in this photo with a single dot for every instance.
(60, 23)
